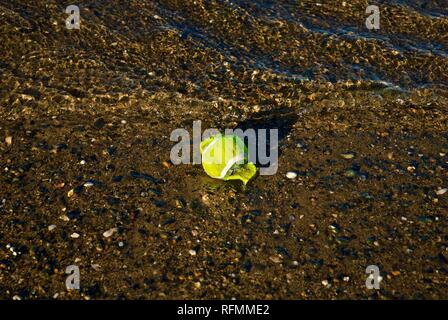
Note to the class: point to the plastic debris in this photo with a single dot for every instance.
(226, 157)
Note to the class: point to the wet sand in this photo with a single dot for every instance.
(85, 122)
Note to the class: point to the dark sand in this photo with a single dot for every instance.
(110, 94)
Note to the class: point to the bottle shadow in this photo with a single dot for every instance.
(282, 120)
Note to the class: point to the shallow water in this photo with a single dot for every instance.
(223, 48)
(286, 37)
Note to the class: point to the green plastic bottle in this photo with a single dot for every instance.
(226, 157)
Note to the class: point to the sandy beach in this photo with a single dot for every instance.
(86, 178)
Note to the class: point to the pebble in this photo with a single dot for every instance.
(441, 191)
(291, 175)
(205, 199)
(192, 252)
(335, 228)
(166, 164)
(350, 173)
(179, 203)
(8, 140)
(109, 232)
(51, 227)
(96, 267)
(60, 185)
(348, 155)
(74, 235)
(325, 283)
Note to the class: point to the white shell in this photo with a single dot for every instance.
(291, 175)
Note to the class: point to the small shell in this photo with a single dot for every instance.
(109, 232)
(8, 140)
(291, 175)
(348, 155)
